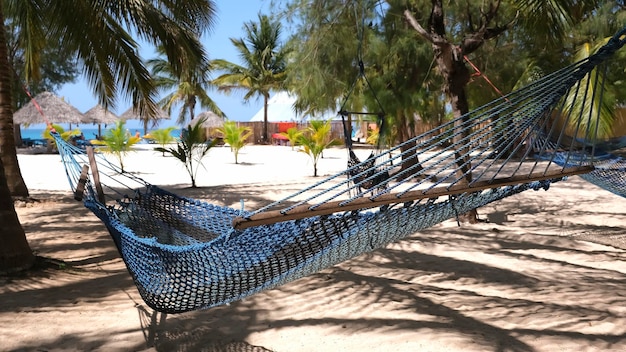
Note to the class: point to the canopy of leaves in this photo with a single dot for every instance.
(102, 35)
(263, 57)
(185, 89)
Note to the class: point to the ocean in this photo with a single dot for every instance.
(89, 132)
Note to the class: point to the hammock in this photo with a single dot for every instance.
(185, 254)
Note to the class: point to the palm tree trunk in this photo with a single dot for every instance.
(264, 137)
(8, 153)
(15, 253)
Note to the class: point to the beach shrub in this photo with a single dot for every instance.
(292, 134)
(117, 141)
(314, 139)
(190, 149)
(162, 136)
(235, 136)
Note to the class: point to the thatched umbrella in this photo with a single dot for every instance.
(53, 108)
(210, 123)
(132, 114)
(98, 115)
(211, 120)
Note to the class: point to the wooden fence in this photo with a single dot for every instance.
(257, 130)
(336, 130)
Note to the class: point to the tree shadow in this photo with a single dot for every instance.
(421, 291)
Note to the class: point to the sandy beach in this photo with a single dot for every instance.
(546, 272)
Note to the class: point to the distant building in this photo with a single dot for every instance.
(280, 109)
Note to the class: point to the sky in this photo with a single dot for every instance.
(231, 16)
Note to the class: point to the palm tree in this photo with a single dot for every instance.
(235, 136)
(187, 88)
(162, 136)
(118, 141)
(190, 149)
(98, 34)
(292, 134)
(264, 64)
(314, 139)
(601, 107)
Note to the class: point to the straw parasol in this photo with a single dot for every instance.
(211, 120)
(98, 115)
(54, 109)
(132, 114)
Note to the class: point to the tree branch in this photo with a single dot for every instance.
(420, 30)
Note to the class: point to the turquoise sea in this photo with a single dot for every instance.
(89, 132)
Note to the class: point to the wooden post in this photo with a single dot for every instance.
(95, 174)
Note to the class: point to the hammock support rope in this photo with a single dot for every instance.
(185, 254)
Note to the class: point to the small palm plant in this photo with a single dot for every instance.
(162, 136)
(315, 139)
(117, 141)
(292, 134)
(190, 149)
(235, 136)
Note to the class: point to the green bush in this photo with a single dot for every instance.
(190, 149)
(117, 141)
(314, 139)
(162, 136)
(236, 137)
(293, 135)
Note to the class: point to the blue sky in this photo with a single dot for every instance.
(231, 16)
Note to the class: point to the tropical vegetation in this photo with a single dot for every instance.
(293, 135)
(117, 141)
(100, 36)
(414, 55)
(186, 88)
(235, 136)
(408, 61)
(314, 139)
(161, 136)
(264, 67)
(191, 147)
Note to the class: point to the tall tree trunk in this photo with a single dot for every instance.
(450, 62)
(15, 253)
(264, 136)
(8, 153)
(451, 65)
(17, 133)
(406, 132)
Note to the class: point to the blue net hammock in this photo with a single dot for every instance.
(185, 254)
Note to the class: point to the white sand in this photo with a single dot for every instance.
(546, 274)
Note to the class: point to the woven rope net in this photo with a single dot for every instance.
(185, 254)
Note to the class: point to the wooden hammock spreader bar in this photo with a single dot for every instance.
(95, 175)
(304, 211)
(82, 181)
